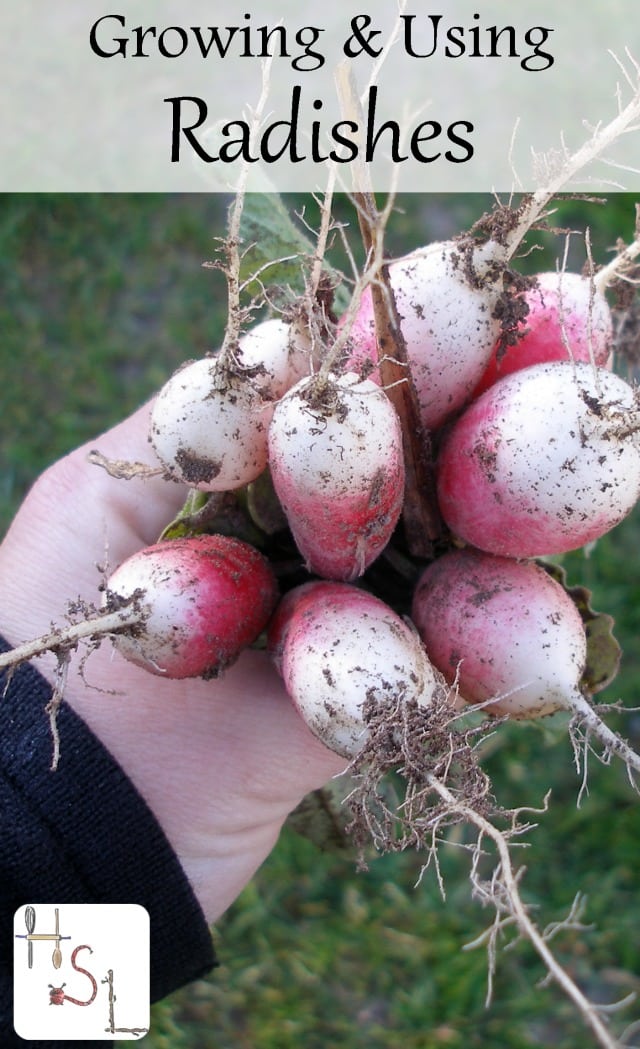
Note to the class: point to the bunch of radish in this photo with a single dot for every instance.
(385, 534)
(535, 453)
(304, 468)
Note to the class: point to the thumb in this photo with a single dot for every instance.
(74, 517)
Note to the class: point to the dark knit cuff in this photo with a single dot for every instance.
(83, 834)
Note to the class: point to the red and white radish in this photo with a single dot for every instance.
(568, 319)
(446, 303)
(284, 616)
(337, 466)
(209, 427)
(274, 355)
(339, 648)
(202, 599)
(543, 462)
(209, 424)
(512, 639)
(504, 629)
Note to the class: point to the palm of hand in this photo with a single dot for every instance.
(220, 763)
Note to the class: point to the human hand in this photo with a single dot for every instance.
(220, 763)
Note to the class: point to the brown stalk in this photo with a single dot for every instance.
(421, 518)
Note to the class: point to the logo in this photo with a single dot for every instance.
(89, 961)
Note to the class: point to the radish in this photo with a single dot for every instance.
(543, 462)
(511, 638)
(209, 424)
(203, 599)
(446, 303)
(209, 427)
(568, 319)
(274, 355)
(502, 628)
(283, 616)
(336, 459)
(339, 648)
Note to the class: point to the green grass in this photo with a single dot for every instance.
(103, 297)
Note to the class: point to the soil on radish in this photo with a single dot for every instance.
(196, 469)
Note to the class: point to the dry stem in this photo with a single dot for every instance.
(53, 706)
(623, 261)
(122, 469)
(322, 240)
(420, 516)
(534, 205)
(232, 242)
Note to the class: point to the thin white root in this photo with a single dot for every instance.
(506, 892)
(63, 639)
(53, 706)
(590, 720)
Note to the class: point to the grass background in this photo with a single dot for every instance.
(102, 297)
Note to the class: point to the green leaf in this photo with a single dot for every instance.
(603, 651)
(263, 505)
(325, 817)
(276, 252)
(279, 249)
(219, 513)
(273, 245)
(322, 818)
(181, 525)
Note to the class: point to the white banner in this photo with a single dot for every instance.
(464, 96)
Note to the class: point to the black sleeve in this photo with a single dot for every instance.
(83, 834)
